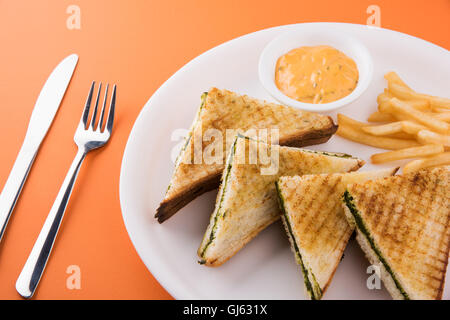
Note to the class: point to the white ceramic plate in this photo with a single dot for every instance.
(265, 268)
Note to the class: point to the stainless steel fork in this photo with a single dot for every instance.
(87, 137)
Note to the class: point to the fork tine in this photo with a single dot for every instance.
(87, 106)
(94, 113)
(110, 121)
(102, 113)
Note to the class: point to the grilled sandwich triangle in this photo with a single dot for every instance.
(224, 110)
(403, 227)
(315, 222)
(247, 199)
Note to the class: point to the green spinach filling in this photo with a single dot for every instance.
(331, 154)
(348, 199)
(222, 197)
(310, 287)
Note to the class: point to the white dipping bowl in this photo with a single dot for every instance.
(310, 35)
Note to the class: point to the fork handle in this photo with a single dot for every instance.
(34, 266)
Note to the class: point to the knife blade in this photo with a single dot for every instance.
(47, 104)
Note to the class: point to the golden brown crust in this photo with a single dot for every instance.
(311, 137)
(312, 205)
(409, 218)
(225, 110)
(170, 206)
(247, 201)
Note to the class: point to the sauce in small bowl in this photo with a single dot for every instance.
(317, 74)
(315, 69)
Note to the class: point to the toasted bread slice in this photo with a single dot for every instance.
(225, 110)
(247, 199)
(315, 222)
(403, 228)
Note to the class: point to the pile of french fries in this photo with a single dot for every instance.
(413, 125)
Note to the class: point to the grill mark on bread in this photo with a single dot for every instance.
(319, 210)
(320, 230)
(223, 109)
(445, 242)
(429, 275)
(386, 218)
(372, 206)
(416, 187)
(314, 202)
(432, 266)
(400, 233)
(311, 201)
(251, 197)
(340, 236)
(307, 191)
(415, 240)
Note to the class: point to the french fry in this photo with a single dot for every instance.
(399, 116)
(403, 93)
(398, 129)
(442, 116)
(422, 105)
(357, 135)
(400, 107)
(426, 136)
(408, 94)
(414, 152)
(384, 97)
(377, 116)
(437, 160)
(344, 120)
(394, 78)
(386, 109)
(402, 135)
(438, 110)
(412, 127)
(438, 102)
(384, 129)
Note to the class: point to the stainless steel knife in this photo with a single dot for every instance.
(44, 111)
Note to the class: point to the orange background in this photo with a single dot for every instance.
(137, 45)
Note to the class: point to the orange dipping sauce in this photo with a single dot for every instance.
(317, 74)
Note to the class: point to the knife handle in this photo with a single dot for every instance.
(14, 184)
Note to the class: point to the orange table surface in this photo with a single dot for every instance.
(137, 45)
